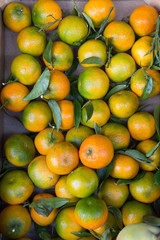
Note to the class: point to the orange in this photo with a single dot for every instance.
(98, 11)
(16, 187)
(141, 51)
(143, 20)
(13, 94)
(139, 80)
(92, 48)
(141, 122)
(123, 103)
(145, 189)
(77, 136)
(67, 113)
(40, 174)
(125, 167)
(96, 151)
(31, 41)
(16, 221)
(16, 16)
(93, 83)
(113, 194)
(66, 223)
(72, 29)
(59, 86)
(36, 116)
(133, 212)
(61, 55)
(144, 147)
(19, 149)
(45, 139)
(37, 217)
(61, 189)
(101, 113)
(91, 212)
(82, 182)
(120, 35)
(118, 134)
(26, 69)
(62, 158)
(46, 13)
(121, 67)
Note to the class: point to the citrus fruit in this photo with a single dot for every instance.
(36, 116)
(141, 122)
(12, 94)
(19, 149)
(40, 174)
(112, 193)
(120, 35)
(16, 187)
(96, 151)
(93, 83)
(123, 103)
(26, 69)
(31, 41)
(46, 138)
(72, 29)
(16, 221)
(92, 48)
(67, 113)
(62, 158)
(91, 212)
(16, 16)
(121, 67)
(45, 14)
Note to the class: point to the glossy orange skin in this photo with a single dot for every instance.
(141, 122)
(62, 158)
(124, 167)
(143, 20)
(40, 219)
(16, 221)
(67, 113)
(14, 94)
(96, 151)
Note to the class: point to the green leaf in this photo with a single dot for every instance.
(95, 234)
(128, 181)
(40, 86)
(117, 120)
(70, 204)
(6, 168)
(56, 113)
(157, 177)
(47, 52)
(73, 68)
(101, 172)
(157, 118)
(107, 234)
(10, 79)
(89, 110)
(82, 234)
(75, 93)
(42, 232)
(92, 60)
(77, 113)
(142, 107)
(77, 9)
(148, 87)
(97, 128)
(109, 169)
(153, 150)
(89, 21)
(47, 25)
(152, 220)
(72, 78)
(154, 67)
(115, 89)
(117, 214)
(0, 236)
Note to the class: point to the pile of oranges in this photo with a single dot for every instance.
(87, 163)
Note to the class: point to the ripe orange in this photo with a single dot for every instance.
(143, 20)
(125, 167)
(101, 113)
(37, 217)
(92, 48)
(123, 103)
(36, 116)
(121, 67)
(141, 122)
(26, 69)
(13, 94)
(44, 140)
(16, 221)
(91, 212)
(16, 16)
(98, 11)
(45, 13)
(93, 83)
(31, 41)
(19, 149)
(67, 113)
(96, 151)
(16, 187)
(113, 194)
(40, 174)
(120, 35)
(62, 158)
